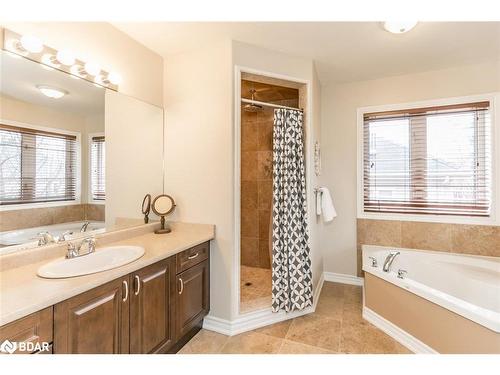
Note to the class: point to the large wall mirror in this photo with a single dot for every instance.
(75, 158)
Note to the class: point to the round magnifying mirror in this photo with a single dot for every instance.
(163, 205)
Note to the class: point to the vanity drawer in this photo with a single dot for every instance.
(193, 256)
(34, 328)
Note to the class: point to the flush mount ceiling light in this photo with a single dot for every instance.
(51, 92)
(399, 27)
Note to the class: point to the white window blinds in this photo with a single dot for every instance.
(36, 166)
(97, 166)
(428, 160)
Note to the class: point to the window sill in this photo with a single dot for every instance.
(443, 219)
(27, 206)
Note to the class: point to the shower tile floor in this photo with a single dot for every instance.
(336, 327)
(255, 288)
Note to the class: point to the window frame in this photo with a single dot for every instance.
(493, 219)
(78, 192)
(90, 199)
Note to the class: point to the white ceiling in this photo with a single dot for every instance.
(342, 51)
(20, 77)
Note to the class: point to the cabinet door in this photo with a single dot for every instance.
(193, 299)
(96, 321)
(151, 328)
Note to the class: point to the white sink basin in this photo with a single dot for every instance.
(103, 259)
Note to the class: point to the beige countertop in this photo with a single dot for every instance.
(22, 292)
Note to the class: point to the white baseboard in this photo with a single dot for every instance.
(401, 336)
(343, 279)
(257, 319)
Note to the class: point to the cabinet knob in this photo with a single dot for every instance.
(181, 285)
(138, 283)
(125, 284)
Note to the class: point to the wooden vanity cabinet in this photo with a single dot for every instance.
(151, 308)
(35, 328)
(96, 321)
(193, 298)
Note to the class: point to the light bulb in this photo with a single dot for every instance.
(399, 27)
(92, 69)
(31, 43)
(49, 60)
(51, 92)
(114, 78)
(66, 57)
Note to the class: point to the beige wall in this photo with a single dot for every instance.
(339, 103)
(141, 68)
(134, 155)
(199, 154)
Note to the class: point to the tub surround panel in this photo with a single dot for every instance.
(23, 292)
(457, 238)
(34, 217)
(441, 329)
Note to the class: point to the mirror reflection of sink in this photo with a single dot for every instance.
(103, 259)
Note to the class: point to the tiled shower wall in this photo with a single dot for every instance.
(34, 217)
(256, 186)
(456, 238)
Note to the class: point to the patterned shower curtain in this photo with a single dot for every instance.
(291, 264)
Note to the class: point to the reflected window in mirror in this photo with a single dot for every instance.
(38, 165)
(97, 167)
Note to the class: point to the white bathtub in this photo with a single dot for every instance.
(26, 237)
(465, 284)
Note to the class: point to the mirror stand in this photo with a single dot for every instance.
(164, 228)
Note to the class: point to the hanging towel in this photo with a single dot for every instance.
(324, 204)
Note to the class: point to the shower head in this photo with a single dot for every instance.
(251, 107)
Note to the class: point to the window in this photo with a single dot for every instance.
(434, 160)
(97, 168)
(36, 166)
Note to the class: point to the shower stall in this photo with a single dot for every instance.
(260, 96)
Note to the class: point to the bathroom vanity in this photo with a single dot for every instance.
(155, 306)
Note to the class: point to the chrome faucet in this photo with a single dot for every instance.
(388, 261)
(45, 238)
(74, 250)
(84, 226)
(64, 237)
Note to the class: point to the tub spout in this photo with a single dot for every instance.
(388, 261)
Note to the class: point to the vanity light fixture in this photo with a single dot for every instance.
(32, 48)
(65, 57)
(399, 27)
(51, 92)
(92, 69)
(31, 44)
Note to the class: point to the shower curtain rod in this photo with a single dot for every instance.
(249, 101)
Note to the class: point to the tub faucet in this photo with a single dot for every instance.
(45, 238)
(388, 261)
(84, 226)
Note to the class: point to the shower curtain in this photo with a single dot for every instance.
(291, 262)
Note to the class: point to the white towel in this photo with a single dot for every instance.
(324, 204)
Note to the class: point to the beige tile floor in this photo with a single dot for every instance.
(257, 295)
(335, 327)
